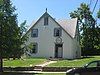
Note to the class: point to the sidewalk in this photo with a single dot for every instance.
(35, 72)
(46, 63)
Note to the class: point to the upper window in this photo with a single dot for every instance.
(34, 48)
(57, 32)
(34, 33)
(45, 20)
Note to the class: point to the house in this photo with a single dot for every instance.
(56, 39)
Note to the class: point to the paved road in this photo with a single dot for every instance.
(36, 72)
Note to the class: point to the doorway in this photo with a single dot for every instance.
(58, 50)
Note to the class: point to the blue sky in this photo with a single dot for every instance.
(32, 9)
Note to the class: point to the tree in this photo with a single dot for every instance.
(87, 28)
(23, 27)
(10, 37)
(98, 14)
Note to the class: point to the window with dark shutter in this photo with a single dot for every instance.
(57, 32)
(34, 33)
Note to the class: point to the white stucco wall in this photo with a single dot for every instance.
(46, 40)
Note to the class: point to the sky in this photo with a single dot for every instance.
(32, 10)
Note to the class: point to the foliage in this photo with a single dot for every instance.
(11, 36)
(88, 29)
(98, 14)
(23, 27)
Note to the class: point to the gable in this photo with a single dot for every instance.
(69, 26)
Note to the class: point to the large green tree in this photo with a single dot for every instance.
(87, 27)
(10, 35)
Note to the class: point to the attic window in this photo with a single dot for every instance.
(46, 20)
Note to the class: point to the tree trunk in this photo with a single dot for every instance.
(1, 64)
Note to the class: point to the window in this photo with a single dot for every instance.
(34, 33)
(57, 32)
(45, 20)
(94, 64)
(35, 48)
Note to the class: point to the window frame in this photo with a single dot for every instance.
(35, 49)
(46, 20)
(92, 64)
(55, 32)
(32, 31)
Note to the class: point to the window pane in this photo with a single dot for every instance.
(99, 64)
(34, 33)
(45, 20)
(34, 49)
(57, 32)
(94, 64)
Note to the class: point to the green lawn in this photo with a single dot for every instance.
(60, 63)
(23, 63)
(74, 63)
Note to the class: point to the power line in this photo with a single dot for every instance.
(94, 6)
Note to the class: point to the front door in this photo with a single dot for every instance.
(58, 51)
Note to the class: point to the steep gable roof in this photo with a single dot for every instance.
(69, 26)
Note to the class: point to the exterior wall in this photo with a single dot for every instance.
(46, 40)
(77, 47)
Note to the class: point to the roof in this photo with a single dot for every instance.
(69, 26)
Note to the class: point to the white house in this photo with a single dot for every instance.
(56, 39)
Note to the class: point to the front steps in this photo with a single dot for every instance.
(37, 68)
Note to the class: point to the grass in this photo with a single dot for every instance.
(60, 63)
(74, 63)
(23, 63)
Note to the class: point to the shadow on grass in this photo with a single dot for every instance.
(18, 73)
(84, 57)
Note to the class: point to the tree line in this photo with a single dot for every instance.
(89, 30)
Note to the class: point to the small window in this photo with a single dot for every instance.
(45, 20)
(34, 33)
(57, 32)
(35, 48)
